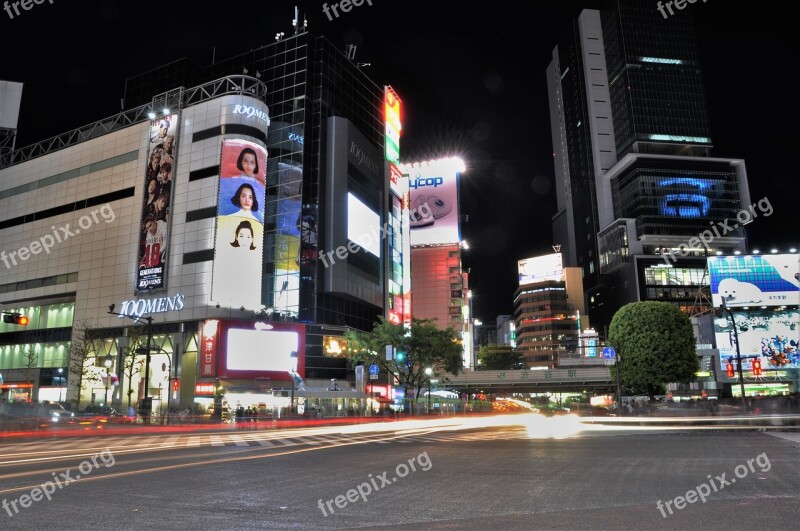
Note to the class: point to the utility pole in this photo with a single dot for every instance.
(726, 310)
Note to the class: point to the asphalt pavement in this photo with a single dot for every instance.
(542, 474)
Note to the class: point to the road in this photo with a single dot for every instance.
(515, 472)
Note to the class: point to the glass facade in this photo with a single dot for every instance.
(614, 248)
(308, 80)
(581, 188)
(667, 198)
(656, 91)
(684, 285)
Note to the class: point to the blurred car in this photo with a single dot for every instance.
(56, 414)
(103, 415)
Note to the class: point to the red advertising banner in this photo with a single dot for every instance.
(209, 333)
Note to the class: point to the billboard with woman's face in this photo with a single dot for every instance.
(238, 248)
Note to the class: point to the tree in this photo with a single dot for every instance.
(499, 358)
(81, 352)
(131, 363)
(656, 345)
(420, 347)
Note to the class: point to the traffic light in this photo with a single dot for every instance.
(401, 356)
(729, 369)
(15, 318)
(756, 367)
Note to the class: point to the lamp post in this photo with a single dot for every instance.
(724, 308)
(164, 367)
(107, 364)
(428, 372)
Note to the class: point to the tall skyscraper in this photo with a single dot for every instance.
(630, 127)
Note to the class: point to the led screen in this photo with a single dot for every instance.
(755, 280)
(362, 225)
(686, 197)
(262, 350)
(540, 269)
(238, 249)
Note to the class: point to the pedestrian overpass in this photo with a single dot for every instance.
(528, 381)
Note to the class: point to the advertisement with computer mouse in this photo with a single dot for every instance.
(433, 192)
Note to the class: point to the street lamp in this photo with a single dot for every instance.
(428, 372)
(107, 363)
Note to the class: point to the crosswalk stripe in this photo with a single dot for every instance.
(170, 441)
(216, 440)
(238, 441)
(146, 440)
(196, 441)
(264, 442)
(286, 442)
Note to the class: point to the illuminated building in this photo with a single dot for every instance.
(328, 161)
(630, 127)
(322, 192)
(440, 286)
(548, 309)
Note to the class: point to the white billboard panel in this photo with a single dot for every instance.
(10, 99)
(434, 212)
(541, 269)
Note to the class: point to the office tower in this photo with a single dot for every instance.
(635, 181)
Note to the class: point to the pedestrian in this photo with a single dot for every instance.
(239, 417)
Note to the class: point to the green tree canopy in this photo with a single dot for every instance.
(424, 345)
(499, 358)
(656, 344)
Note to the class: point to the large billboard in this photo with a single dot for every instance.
(154, 222)
(247, 350)
(770, 335)
(755, 280)
(433, 188)
(540, 269)
(265, 351)
(238, 248)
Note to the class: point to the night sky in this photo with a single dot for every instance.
(472, 81)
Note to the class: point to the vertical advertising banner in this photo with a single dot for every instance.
(238, 252)
(208, 342)
(295, 230)
(154, 228)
